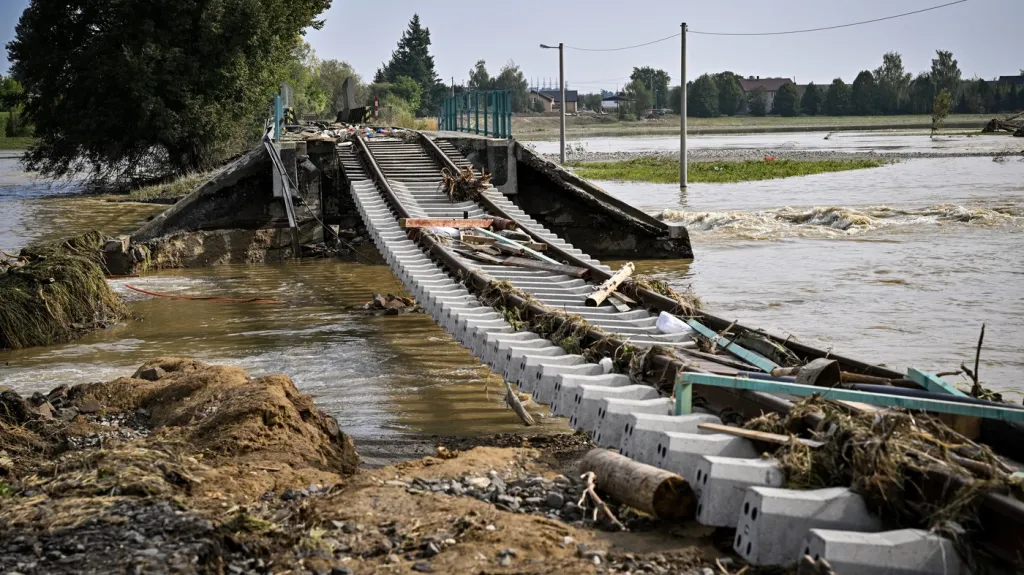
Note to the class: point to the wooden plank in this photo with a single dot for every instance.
(481, 240)
(763, 363)
(556, 268)
(624, 298)
(618, 304)
(479, 256)
(839, 394)
(602, 291)
(776, 438)
(505, 240)
(444, 223)
(933, 383)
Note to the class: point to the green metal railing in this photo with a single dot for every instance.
(487, 112)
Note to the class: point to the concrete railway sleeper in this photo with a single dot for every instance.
(734, 487)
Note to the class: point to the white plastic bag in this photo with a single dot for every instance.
(668, 323)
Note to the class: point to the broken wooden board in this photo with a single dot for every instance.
(617, 303)
(776, 438)
(479, 256)
(538, 265)
(480, 240)
(445, 223)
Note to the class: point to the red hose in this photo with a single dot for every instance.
(198, 298)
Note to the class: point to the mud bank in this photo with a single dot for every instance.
(191, 468)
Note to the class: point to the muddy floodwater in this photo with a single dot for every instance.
(897, 265)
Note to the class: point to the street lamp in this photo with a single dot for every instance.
(561, 105)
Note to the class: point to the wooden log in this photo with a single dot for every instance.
(536, 265)
(776, 438)
(445, 223)
(610, 285)
(512, 400)
(660, 493)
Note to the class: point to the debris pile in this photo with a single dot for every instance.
(391, 305)
(464, 185)
(891, 458)
(1014, 124)
(53, 293)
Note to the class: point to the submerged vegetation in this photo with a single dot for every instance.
(666, 170)
(52, 293)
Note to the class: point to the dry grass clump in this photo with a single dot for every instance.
(464, 185)
(689, 302)
(56, 292)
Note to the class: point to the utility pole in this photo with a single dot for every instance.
(682, 114)
(561, 83)
(561, 107)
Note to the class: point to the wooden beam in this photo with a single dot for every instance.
(602, 291)
(460, 223)
(776, 438)
(753, 358)
(838, 394)
(479, 256)
(537, 265)
(933, 383)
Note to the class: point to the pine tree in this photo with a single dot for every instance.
(786, 102)
(864, 96)
(837, 99)
(412, 58)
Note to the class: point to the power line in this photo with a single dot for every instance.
(781, 33)
(827, 27)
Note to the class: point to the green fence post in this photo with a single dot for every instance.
(508, 132)
(476, 111)
(487, 107)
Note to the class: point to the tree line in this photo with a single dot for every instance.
(12, 122)
(889, 89)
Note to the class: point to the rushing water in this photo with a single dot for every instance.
(897, 265)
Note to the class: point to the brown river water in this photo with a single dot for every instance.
(897, 265)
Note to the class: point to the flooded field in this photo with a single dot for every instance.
(897, 265)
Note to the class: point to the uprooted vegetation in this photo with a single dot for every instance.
(888, 458)
(52, 293)
(464, 185)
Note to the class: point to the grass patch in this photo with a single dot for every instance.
(168, 192)
(666, 171)
(53, 293)
(16, 143)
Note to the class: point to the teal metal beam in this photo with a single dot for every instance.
(753, 358)
(933, 383)
(839, 394)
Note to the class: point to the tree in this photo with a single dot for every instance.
(331, 76)
(675, 99)
(511, 78)
(986, 96)
(537, 106)
(837, 99)
(655, 80)
(592, 102)
(479, 79)
(639, 97)
(307, 96)
(757, 101)
(864, 95)
(946, 73)
(703, 98)
(810, 104)
(922, 94)
(940, 109)
(730, 94)
(412, 58)
(787, 103)
(10, 93)
(122, 90)
(893, 83)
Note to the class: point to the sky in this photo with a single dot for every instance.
(980, 33)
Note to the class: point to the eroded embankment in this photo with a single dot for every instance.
(188, 467)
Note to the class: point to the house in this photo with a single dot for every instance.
(1017, 81)
(770, 85)
(551, 100)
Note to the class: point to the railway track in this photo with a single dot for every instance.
(399, 178)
